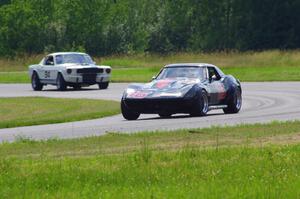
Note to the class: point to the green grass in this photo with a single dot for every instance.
(249, 66)
(27, 111)
(249, 74)
(14, 77)
(273, 58)
(254, 74)
(229, 162)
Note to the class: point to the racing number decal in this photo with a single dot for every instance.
(47, 74)
(163, 83)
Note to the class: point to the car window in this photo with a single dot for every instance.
(74, 59)
(49, 60)
(182, 72)
(59, 59)
(213, 73)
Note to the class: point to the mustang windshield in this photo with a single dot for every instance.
(74, 59)
(182, 72)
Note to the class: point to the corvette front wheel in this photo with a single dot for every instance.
(127, 113)
(201, 106)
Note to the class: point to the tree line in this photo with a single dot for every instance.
(105, 27)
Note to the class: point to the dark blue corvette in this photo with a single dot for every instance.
(192, 88)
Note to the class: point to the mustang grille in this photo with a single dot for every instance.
(90, 70)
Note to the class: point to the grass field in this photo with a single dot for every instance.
(27, 111)
(246, 161)
(249, 66)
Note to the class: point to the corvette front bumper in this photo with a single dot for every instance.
(161, 105)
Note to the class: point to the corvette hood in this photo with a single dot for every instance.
(169, 84)
(161, 88)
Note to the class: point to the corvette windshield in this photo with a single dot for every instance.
(74, 59)
(181, 72)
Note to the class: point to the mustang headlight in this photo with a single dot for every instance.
(69, 71)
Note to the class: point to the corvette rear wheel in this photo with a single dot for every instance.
(201, 107)
(36, 83)
(234, 103)
(127, 113)
(103, 85)
(60, 83)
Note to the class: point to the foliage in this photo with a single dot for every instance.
(104, 27)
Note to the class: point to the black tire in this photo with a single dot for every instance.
(127, 113)
(36, 83)
(77, 87)
(165, 115)
(201, 106)
(60, 83)
(234, 103)
(103, 85)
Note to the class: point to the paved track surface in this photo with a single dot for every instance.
(262, 102)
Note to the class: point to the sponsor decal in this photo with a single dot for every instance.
(138, 94)
(163, 83)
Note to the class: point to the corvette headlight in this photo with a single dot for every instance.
(130, 91)
(69, 71)
(178, 94)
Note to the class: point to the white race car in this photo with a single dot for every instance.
(68, 69)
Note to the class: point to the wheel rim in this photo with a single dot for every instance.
(238, 101)
(205, 104)
(58, 83)
(34, 82)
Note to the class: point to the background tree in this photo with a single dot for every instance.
(104, 27)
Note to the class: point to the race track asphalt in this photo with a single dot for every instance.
(262, 102)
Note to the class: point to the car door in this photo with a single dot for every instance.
(40, 69)
(48, 69)
(215, 85)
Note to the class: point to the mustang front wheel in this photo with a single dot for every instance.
(35, 82)
(60, 83)
(127, 113)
